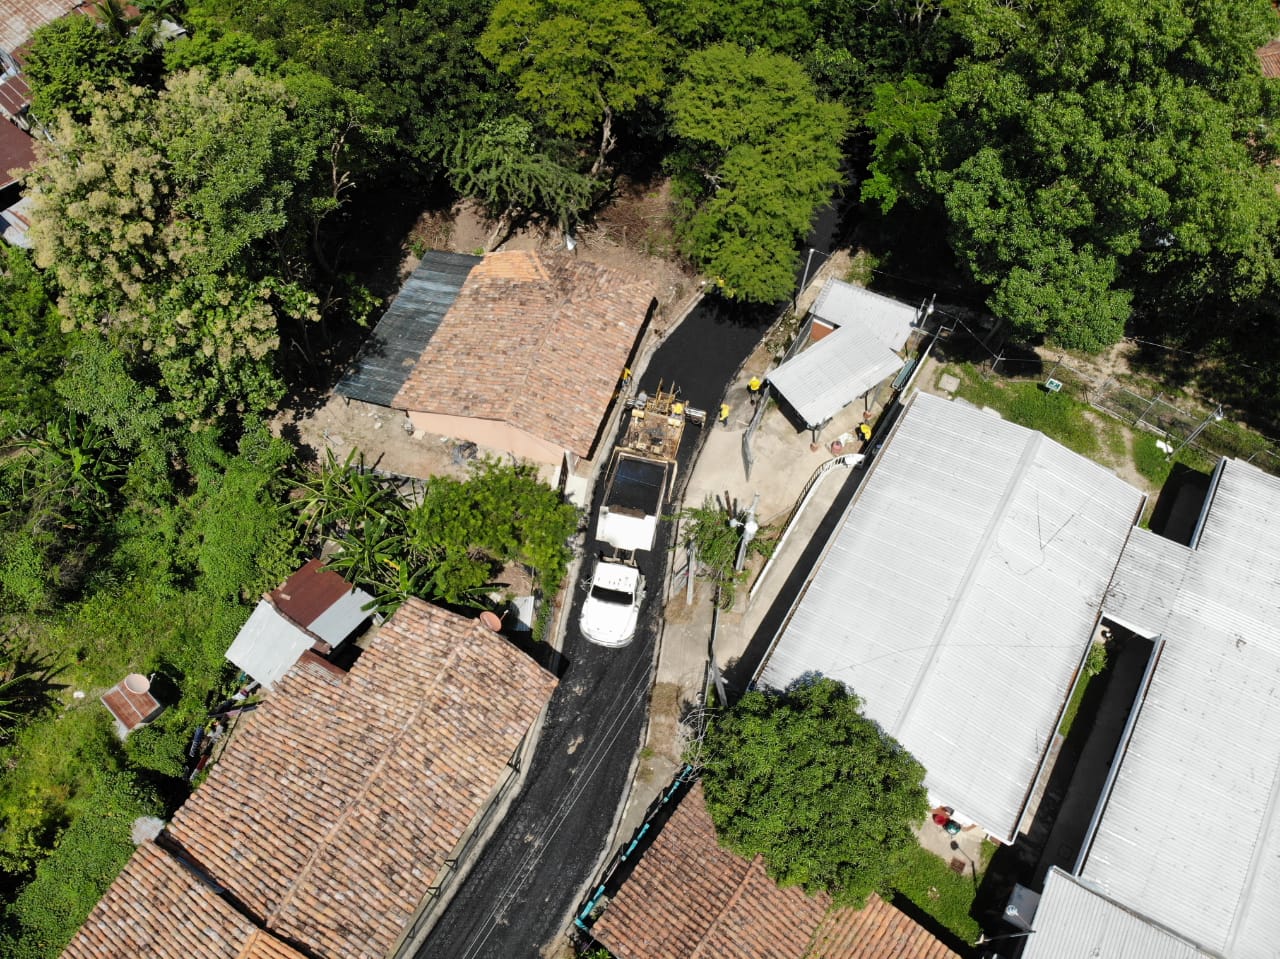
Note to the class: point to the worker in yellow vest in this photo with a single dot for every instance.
(753, 389)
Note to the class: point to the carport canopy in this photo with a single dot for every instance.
(829, 375)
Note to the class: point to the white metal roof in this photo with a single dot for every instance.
(341, 619)
(1190, 835)
(1076, 922)
(268, 644)
(840, 303)
(821, 380)
(959, 595)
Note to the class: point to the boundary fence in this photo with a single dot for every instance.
(1206, 430)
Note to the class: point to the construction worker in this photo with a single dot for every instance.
(724, 414)
(753, 389)
(864, 431)
(626, 375)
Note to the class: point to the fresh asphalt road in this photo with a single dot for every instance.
(523, 888)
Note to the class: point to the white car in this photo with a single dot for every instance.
(612, 607)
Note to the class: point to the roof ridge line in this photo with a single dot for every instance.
(1029, 451)
(729, 903)
(365, 786)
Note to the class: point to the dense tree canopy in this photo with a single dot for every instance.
(816, 788)
(1087, 153)
(760, 154)
(577, 63)
(177, 223)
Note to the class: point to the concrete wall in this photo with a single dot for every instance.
(494, 434)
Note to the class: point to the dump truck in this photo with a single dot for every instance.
(641, 477)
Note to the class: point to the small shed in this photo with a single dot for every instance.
(314, 609)
(855, 341)
(131, 703)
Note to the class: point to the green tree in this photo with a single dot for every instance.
(178, 223)
(760, 153)
(578, 63)
(501, 165)
(72, 60)
(414, 64)
(1088, 155)
(784, 26)
(32, 346)
(816, 788)
(715, 535)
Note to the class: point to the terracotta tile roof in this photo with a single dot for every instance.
(1269, 57)
(21, 18)
(332, 812)
(689, 898)
(130, 709)
(159, 909)
(535, 341)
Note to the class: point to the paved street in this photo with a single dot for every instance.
(531, 875)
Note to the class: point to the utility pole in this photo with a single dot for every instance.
(749, 528)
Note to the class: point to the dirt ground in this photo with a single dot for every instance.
(634, 235)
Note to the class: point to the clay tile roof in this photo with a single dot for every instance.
(21, 18)
(536, 341)
(1269, 56)
(159, 909)
(335, 807)
(689, 898)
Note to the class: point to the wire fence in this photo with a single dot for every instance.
(1206, 430)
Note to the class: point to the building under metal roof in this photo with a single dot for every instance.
(821, 380)
(1074, 921)
(959, 597)
(1189, 835)
(314, 605)
(392, 350)
(841, 303)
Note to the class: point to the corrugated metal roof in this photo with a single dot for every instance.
(322, 602)
(959, 595)
(393, 349)
(1075, 922)
(842, 303)
(268, 644)
(1190, 835)
(823, 379)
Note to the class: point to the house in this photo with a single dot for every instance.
(342, 806)
(394, 347)
(314, 609)
(525, 360)
(690, 898)
(160, 908)
(1186, 835)
(958, 598)
(855, 338)
(1076, 920)
(21, 18)
(1269, 59)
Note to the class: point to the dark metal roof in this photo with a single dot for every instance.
(393, 349)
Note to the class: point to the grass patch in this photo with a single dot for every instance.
(1151, 461)
(1057, 415)
(1073, 706)
(928, 884)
